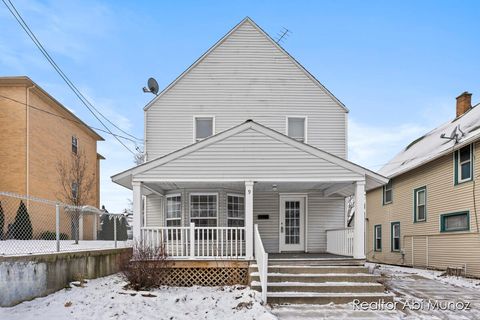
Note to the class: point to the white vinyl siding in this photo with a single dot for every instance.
(245, 77)
(154, 211)
(249, 155)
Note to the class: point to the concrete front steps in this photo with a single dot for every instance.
(319, 284)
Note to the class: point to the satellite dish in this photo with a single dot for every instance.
(152, 86)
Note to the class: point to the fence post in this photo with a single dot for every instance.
(192, 240)
(57, 226)
(115, 230)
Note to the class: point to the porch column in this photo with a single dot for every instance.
(249, 219)
(137, 210)
(359, 228)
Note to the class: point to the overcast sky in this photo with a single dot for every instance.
(397, 65)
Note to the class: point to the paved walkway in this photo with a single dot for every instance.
(409, 287)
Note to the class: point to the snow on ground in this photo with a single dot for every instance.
(429, 274)
(105, 298)
(26, 247)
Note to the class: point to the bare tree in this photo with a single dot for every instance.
(76, 186)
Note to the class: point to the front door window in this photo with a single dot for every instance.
(292, 225)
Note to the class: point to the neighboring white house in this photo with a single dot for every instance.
(246, 136)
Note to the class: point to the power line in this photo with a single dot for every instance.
(65, 118)
(70, 84)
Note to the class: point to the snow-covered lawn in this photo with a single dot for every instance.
(25, 247)
(105, 298)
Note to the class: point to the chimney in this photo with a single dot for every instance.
(464, 103)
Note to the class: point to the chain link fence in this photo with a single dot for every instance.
(30, 225)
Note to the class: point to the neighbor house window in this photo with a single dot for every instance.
(456, 221)
(204, 127)
(74, 190)
(395, 236)
(203, 210)
(387, 192)
(174, 210)
(296, 128)
(378, 238)
(74, 144)
(420, 204)
(235, 211)
(463, 164)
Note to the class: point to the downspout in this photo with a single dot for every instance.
(27, 146)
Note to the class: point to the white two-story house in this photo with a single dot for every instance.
(247, 144)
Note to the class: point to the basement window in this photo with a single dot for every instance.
(455, 221)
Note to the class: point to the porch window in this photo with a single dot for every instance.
(387, 192)
(456, 221)
(204, 127)
(395, 236)
(463, 164)
(174, 210)
(420, 204)
(203, 210)
(378, 238)
(296, 128)
(235, 211)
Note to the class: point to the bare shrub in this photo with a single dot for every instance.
(147, 268)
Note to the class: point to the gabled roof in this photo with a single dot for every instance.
(125, 177)
(431, 146)
(26, 81)
(218, 43)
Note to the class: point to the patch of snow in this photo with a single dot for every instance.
(105, 298)
(429, 274)
(28, 247)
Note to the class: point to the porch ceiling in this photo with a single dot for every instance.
(329, 189)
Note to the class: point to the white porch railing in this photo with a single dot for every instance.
(340, 241)
(198, 242)
(261, 256)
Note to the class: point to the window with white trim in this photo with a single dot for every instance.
(204, 127)
(74, 144)
(203, 210)
(296, 128)
(387, 192)
(235, 210)
(420, 198)
(174, 210)
(463, 164)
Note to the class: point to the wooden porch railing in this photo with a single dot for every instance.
(198, 242)
(340, 241)
(261, 256)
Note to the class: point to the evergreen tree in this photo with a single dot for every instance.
(2, 221)
(107, 227)
(22, 226)
(122, 229)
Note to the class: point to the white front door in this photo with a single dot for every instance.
(292, 223)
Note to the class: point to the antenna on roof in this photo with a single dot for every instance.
(456, 134)
(282, 35)
(152, 86)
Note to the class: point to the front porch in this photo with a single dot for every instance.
(217, 220)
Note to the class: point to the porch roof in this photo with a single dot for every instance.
(250, 151)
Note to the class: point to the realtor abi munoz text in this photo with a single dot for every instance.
(411, 304)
